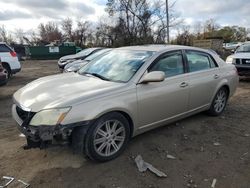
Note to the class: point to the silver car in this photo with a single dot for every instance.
(124, 93)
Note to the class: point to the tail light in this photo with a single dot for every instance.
(13, 54)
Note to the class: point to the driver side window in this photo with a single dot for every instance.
(171, 64)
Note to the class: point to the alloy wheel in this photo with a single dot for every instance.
(220, 101)
(109, 138)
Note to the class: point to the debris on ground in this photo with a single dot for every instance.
(24, 183)
(213, 183)
(185, 137)
(202, 149)
(217, 144)
(191, 184)
(8, 179)
(243, 155)
(22, 135)
(143, 166)
(246, 135)
(171, 156)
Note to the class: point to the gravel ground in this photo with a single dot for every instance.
(205, 148)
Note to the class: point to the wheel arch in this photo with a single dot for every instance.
(125, 114)
(6, 64)
(227, 88)
(223, 83)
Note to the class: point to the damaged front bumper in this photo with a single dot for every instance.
(37, 136)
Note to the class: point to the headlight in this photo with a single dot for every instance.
(49, 116)
(229, 60)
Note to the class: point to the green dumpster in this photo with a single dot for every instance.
(49, 52)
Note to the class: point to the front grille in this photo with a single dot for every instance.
(245, 61)
(237, 61)
(24, 115)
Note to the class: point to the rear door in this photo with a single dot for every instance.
(203, 78)
(160, 101)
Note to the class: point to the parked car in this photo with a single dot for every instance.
(9, 59)
(78, 64)
(231, 46)
(3, 75)
(80, 55)
(124, 93)
(241, 59)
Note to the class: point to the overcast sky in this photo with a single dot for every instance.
(27, 14)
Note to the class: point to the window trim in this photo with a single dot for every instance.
(211, 59)
(169, 53)
(209, 56)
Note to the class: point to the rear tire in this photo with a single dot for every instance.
(219, 102)
(7, 69)
(107, 138)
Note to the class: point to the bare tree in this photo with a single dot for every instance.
(141, 21)
(19, 34)
(49, 32)
(198, 30)
(184, 37)
(3, 34)
(67, 28)
(82, 32)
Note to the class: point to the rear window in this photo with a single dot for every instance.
(4, 48)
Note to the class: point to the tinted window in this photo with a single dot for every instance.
(170, 64)
(199, 61)
(4, 48)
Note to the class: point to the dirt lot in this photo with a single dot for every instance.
(192, 141)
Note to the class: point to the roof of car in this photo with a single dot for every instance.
(161, 47)
(247, 42)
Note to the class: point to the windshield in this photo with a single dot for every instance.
(243, 48)
(96, 54)
(86, 52)
(117, 65)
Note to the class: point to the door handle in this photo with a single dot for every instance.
(216, 76)
(184, 84)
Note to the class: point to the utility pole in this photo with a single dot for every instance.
(167, 16)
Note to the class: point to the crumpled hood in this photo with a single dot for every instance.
(241, 56)
(62, 90)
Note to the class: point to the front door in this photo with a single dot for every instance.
(160, 101)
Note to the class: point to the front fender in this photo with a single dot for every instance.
(90, 110)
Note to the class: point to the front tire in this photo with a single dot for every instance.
(107, 138)
(219, 102)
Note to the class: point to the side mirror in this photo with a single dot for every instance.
(155, 76)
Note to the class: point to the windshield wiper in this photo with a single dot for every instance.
(97, 75)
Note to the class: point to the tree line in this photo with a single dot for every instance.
(128, 22)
